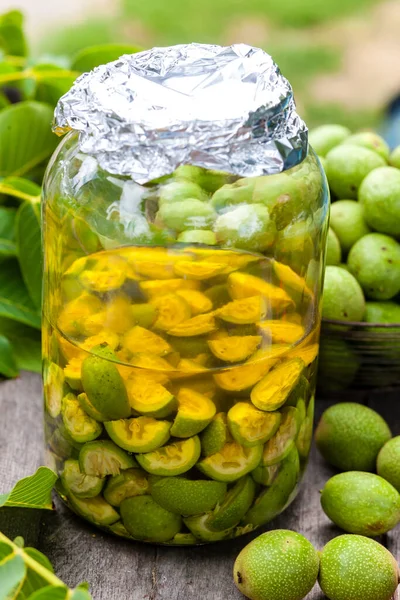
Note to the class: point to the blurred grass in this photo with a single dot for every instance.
(174, 20)
(300, 56)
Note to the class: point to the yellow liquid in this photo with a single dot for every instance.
(214, 322)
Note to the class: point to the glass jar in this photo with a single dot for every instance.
(180, 338)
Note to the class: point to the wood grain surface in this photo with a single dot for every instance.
(119, 570)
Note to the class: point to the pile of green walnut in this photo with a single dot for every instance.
(362, 279)
(283, 565)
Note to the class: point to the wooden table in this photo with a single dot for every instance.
(118, 570)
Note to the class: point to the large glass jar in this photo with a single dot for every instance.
(180, 339)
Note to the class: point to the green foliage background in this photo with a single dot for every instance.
(29, 90)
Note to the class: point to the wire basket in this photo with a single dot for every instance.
(358, 356)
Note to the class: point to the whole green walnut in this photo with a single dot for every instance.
(343, 297)
(348, 222)
(277, 565)
(333, 249)
(326, 137)
(347, 165)
(394, 158)
(375, 262)
(176, 191)
(379, 195)
(361, 503)
(247, 227)
(349, 436)
(353, 567)
(186, 214)
(370, 140)
(388, 462)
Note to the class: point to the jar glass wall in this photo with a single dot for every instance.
(180, 333)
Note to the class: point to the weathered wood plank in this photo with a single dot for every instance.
(21, 448)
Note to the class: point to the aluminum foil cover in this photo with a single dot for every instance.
(223, 108)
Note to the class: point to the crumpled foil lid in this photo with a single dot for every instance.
(223, 108)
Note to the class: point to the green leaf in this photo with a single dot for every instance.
(28, 234)
(52, 82)
(8, 364)
(26, 344)
(12, 573)
(7, 223)
(50, 592)
(15, 302)
(89, 58)
(80, 594)
(25, 137)
(35, 581)
(7, 248)
(12, 38)
(33, 491)
(20, 188)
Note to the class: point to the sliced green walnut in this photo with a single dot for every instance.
(102, 458)
(249, 426)
(279, 446)
(290, 278)
(244, 285)
(234, 506)
(218, 294)
(129, 483)
(281, 332)
(198, 270)
(273, 390)
(235, 348)
(199, 303)
(157, 287)
(72, 374)
(275, 498)
(198, 325)
(243, 311)
(149, 398)
(171, 311)
(78, 483)
(143, 315)
(195, 412)
(142, 434)
(104, 385)
(138, 339)
(79, 426)
(96, 510)
(186, 496)
(308, 353)
(232, 462)
(148, 521)
(215, 435)
(88, 407)
(243, 376)
(200, 528)
(173, 459)
(304, 438)
(73, 316)
(265, 475)
(53, 384)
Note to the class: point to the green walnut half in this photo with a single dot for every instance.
(232, 462)
(142, 434)
(102, 458)
(272, 391)
(79, 426)
(129, 483)
(279, 446)
(148, 521)
(172, 459)
(104, 385)
(78, 483)
(186, 496)
(249, 426)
